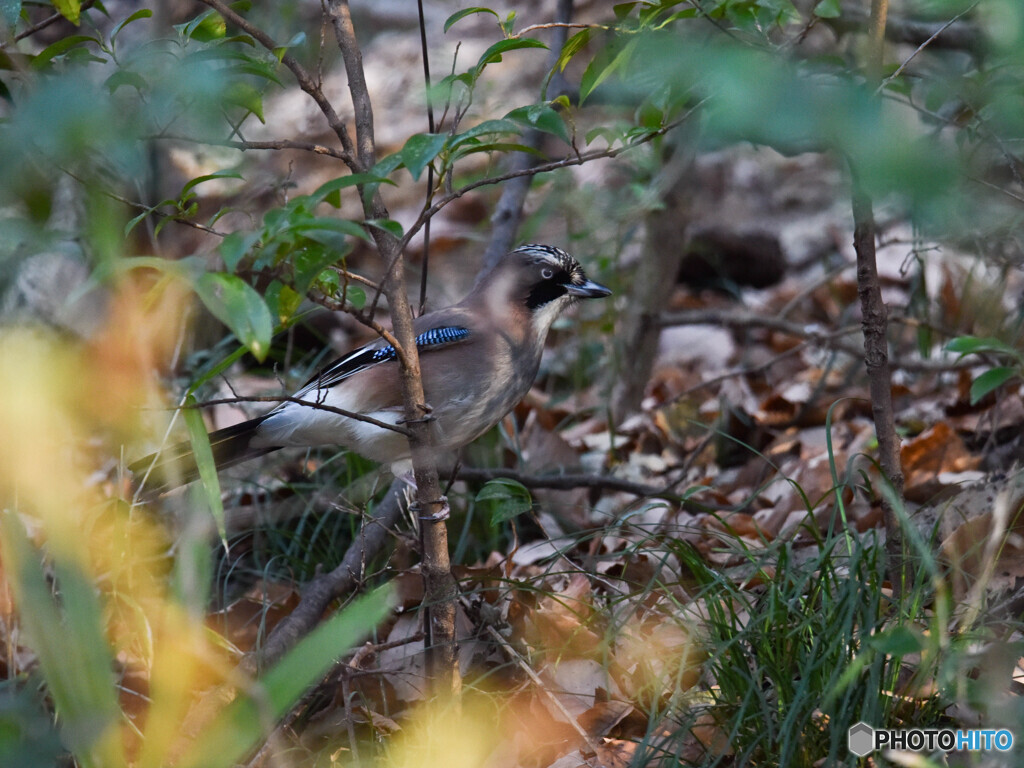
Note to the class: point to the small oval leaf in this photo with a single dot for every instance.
(990, 381)
(420, 150)
(467, 12)
(237, 304)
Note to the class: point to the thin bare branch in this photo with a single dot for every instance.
(245, 145)
(299, 401)
(318, 594)
(925, 44)
(567, 716)
(143, 207)
(340, 306)
(341, 20)
(440, 588)
(306, 82)
(353, 277)
(566, 482)
(41, 25)
(554, 165)
(557, 25)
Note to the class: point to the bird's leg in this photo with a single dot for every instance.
(408, 477)
(440, 505)
(426, 418)
(404, 472)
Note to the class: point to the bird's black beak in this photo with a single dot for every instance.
(587, 290)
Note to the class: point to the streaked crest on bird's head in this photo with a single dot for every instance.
(549, 254)
(533, 278)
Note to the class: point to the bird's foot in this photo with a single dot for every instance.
(428, 415)
(439, 505)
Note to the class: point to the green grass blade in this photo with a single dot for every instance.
(241, 725)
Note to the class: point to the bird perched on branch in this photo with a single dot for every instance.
(478, 359)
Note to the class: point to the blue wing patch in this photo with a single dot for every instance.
(364, 357)
(431, 338)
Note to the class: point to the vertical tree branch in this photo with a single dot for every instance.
(876, 37)
(306, 82)
(425, 54)
(440, 591)
(874, 324)
(509, 211)
(344, 31)
(654, 280)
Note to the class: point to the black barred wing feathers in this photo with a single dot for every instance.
(371, 355)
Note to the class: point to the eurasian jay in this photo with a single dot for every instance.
(478, 360)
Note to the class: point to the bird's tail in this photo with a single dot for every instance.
(176, 465)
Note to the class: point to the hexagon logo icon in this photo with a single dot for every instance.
(860, 739)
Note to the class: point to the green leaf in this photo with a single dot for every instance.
(572, 46)
(128, 78)
(216, 368)
(144, 13)
(511, 499)
(508, 23)
(331, 232)
(390, 226)
(206, 27)
(467, 12)
(78, 674)
(990, 381)
(309, 264)
(494, 53)
(60, 47)
(543, 118)
(420, 150)
(827, 9)
(203, 454)
(474, 146)
(622, 10)
(298, 39)
(609, 135)
(207, 177)
(245, 96)
(248, 65)
(135, 221)
(28, 735)
(967, 345)
(898, 641)
(687, 13)
(613, 58)
(330, 192)
(10, 10)
(283, 301)
(485, 128)
(235, 246)
(69, 9)
(236, 304)
(238, 728)
(352, 294)
(387, 165)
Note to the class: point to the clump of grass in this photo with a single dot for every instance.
(805, 642)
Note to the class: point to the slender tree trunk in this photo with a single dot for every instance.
(440, 591)
(653, 284)
(874, 322)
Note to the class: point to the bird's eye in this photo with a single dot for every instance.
(547, 273)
